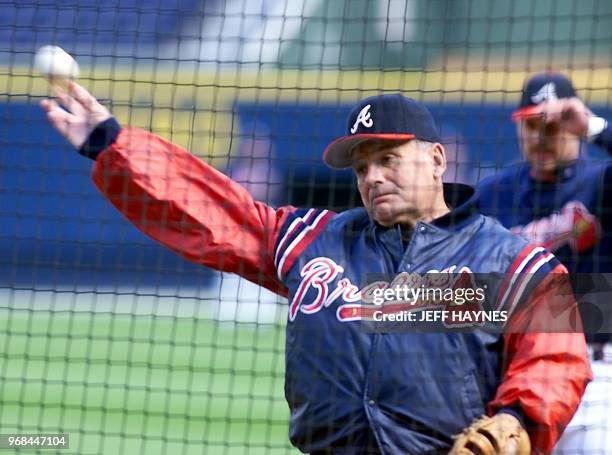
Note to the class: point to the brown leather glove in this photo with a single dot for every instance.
(501, 434)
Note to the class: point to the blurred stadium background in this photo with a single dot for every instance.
(129, 349)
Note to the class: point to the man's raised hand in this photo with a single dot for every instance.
(79, 113)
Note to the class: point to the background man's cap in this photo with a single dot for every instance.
(382, 117)
(540, 88)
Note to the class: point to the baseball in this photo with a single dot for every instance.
(55, 64)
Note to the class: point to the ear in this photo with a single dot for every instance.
(439, 159)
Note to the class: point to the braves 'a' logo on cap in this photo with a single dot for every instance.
(546, 93)
(364, 117)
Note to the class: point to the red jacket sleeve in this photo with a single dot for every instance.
(190, 207)
(547, 367)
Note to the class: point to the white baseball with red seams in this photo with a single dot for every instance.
(55, 64)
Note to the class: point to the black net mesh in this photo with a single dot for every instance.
(113, 339)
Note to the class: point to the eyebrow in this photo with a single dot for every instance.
(383, 148)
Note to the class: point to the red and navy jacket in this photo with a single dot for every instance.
(347, 389)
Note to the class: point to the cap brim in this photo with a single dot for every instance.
(525, 112)
(338, 154)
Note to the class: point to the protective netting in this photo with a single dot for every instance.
(113, 339)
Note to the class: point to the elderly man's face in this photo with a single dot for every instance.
(398, 182)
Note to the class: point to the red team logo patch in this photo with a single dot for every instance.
(574, 225)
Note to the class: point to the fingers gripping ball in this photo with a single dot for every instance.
(500, 434)
(56, 65)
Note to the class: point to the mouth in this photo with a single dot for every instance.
(380, 198)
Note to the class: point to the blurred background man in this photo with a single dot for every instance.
(562, 200)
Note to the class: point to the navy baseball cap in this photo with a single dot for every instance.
(540, 88)
(381, 117)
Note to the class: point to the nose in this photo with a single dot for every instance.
(531, 138)
(541, 139)
(374, 176)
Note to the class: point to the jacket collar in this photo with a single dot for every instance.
(461, 199)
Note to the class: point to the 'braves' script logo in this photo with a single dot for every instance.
(364, 117)
(320, 272)
(546, 93)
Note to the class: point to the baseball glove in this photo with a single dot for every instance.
(501, 434)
